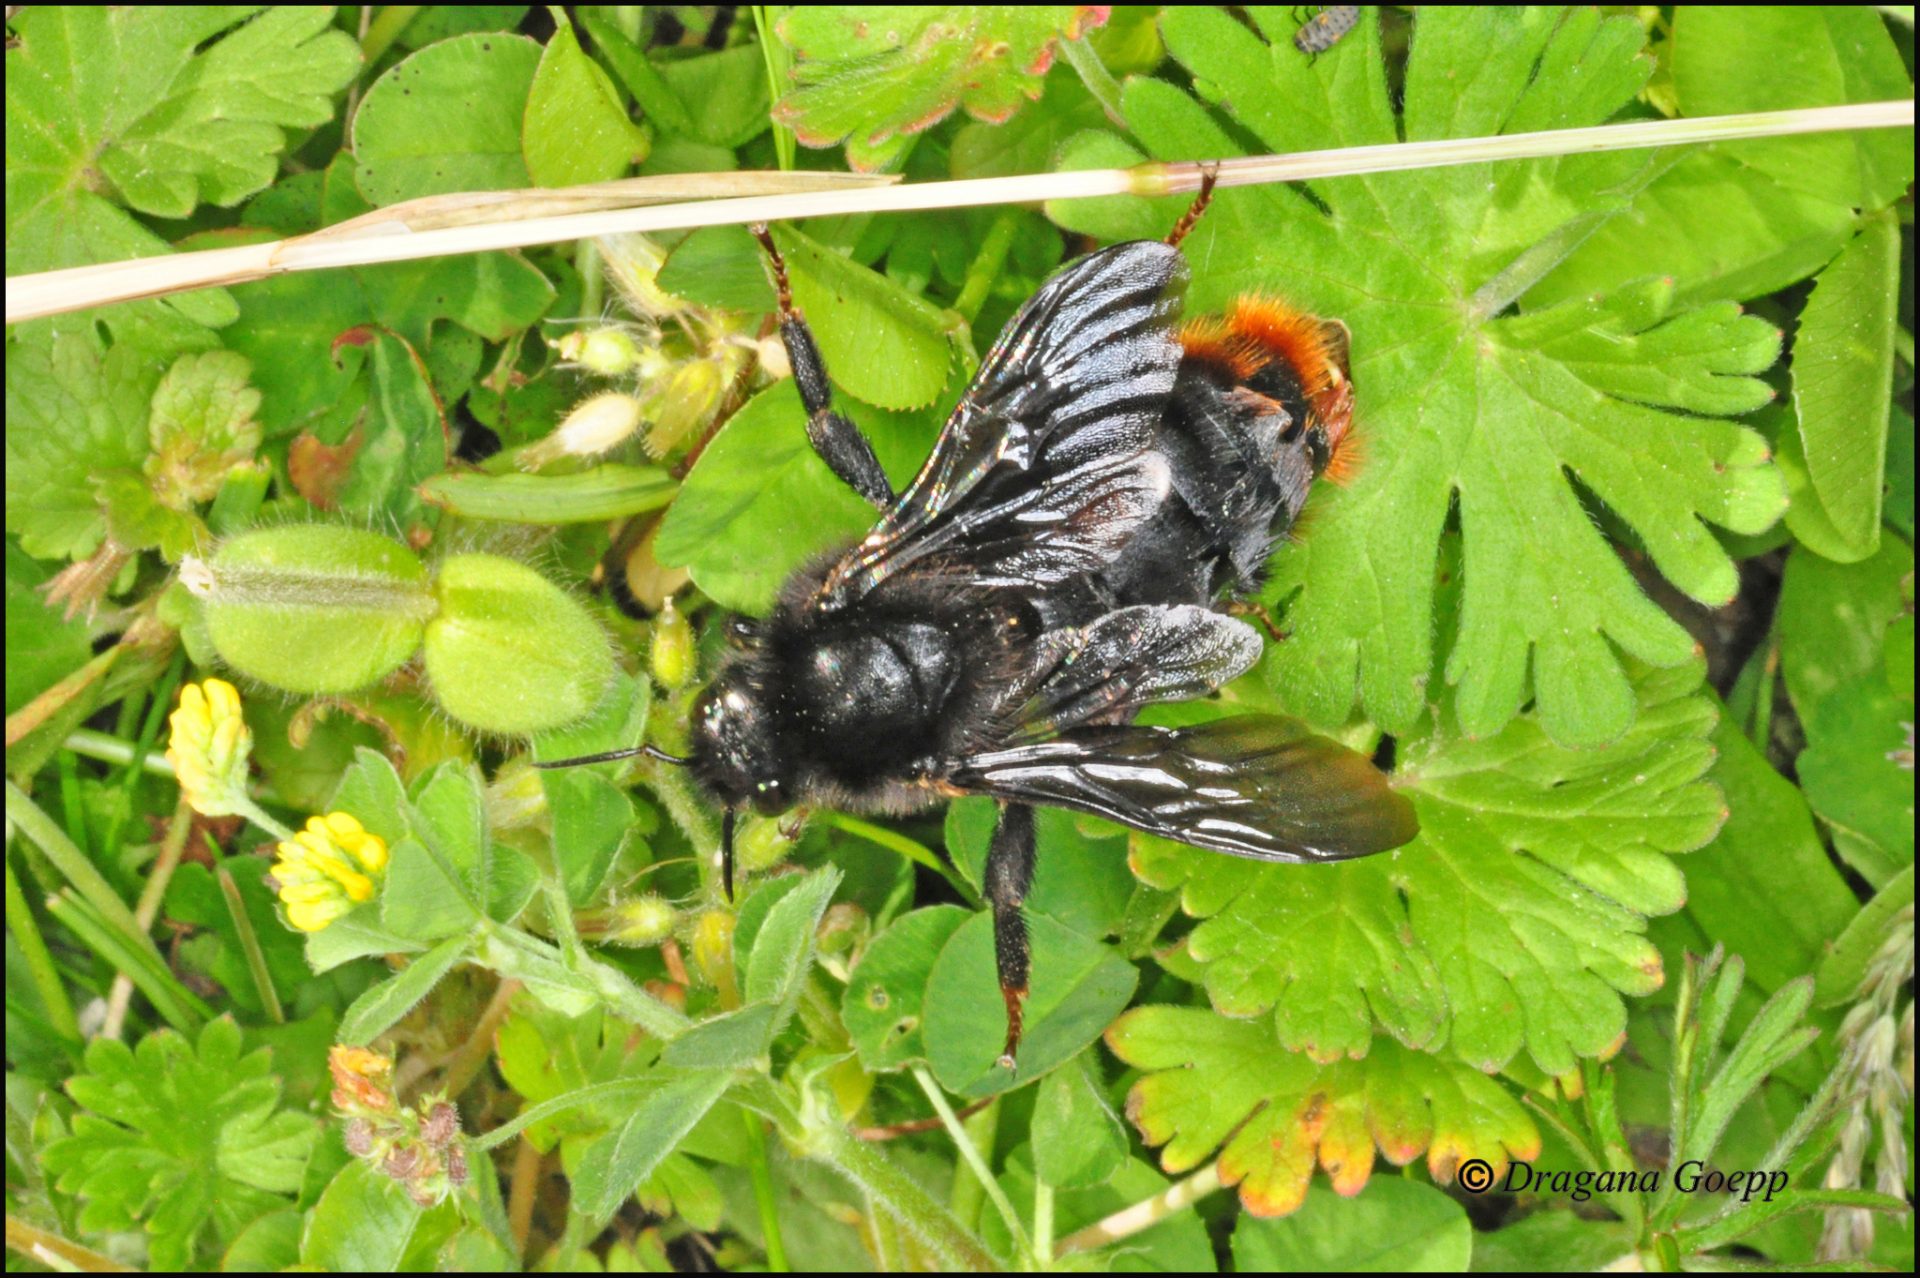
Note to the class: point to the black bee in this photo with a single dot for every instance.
(1104, 483)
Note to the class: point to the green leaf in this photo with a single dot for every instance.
(1515, 920)
(760, 502)
(74, 413)
(201, 425)
(613, 1166)
(363, 1223)
(886, 992)
(1393, 1226)
(886, 346)
(1833, 620)
(42, 646)
(1078, 987)
(577, 129)
(1457, 399)
(1842, 971)
(592, 815)
(1213, 1083)
(1080, 873)
(729, 89)
(186, 1140)
(375, 1011)
(159, 110)
(1813, 57)
(1765, 888)
(783, 946)
(446, 119)
(874, 78)
(1078, 1141)
(1842, 379)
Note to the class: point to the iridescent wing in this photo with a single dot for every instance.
(1126, 659)
(1259, 786)
(1044, 468)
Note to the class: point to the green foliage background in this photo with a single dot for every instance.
(1626, 574)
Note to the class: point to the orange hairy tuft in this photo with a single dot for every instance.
(1316, 351)
(1211, 340)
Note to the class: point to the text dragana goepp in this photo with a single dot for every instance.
(1690, 1177)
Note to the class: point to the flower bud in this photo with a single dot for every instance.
(597, 425)
(644, 920)
(209, 746)
(605, 352)
(672, 654)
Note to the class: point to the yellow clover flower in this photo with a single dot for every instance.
(327, 869)
(209, 746)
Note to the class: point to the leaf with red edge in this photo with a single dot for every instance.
(1216, 1084)
(875, 77)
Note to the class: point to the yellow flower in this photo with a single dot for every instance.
(327, 869)
(208, 748)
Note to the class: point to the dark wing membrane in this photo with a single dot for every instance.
(1258, 786)
(1126, 659)
(1044, 469)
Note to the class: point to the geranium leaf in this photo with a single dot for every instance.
(1515, 920)
(1459, 401)
(1213, 1083)
(874, 77)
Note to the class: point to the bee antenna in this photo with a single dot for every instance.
(1208, 176)
(726, 852)
(608, 756)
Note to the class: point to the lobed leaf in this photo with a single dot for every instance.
(1516, 920)
(1459, 403)
(1215, 1084)
(875, 77)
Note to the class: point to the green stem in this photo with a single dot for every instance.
(987, 264)
(249, 939)
(386, 27)
(1042, 1223)
(684, 810)
(92, 744)
(971, 1156)
(762, 1174)
(1145, 1214)
(1094, 74)
(915, 1209)
(179, 1006)
(39, 961)
(259, 816)
(779, 62)
(593, 281)
(968, 1195)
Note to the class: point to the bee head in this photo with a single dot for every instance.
(736, 746)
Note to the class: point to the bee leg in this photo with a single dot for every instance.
(1009, 873)
(838, 441)
(1255, 609)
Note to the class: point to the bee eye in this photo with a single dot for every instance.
(742, 629)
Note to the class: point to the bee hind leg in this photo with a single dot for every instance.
(838, 441)
(1009, 874)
